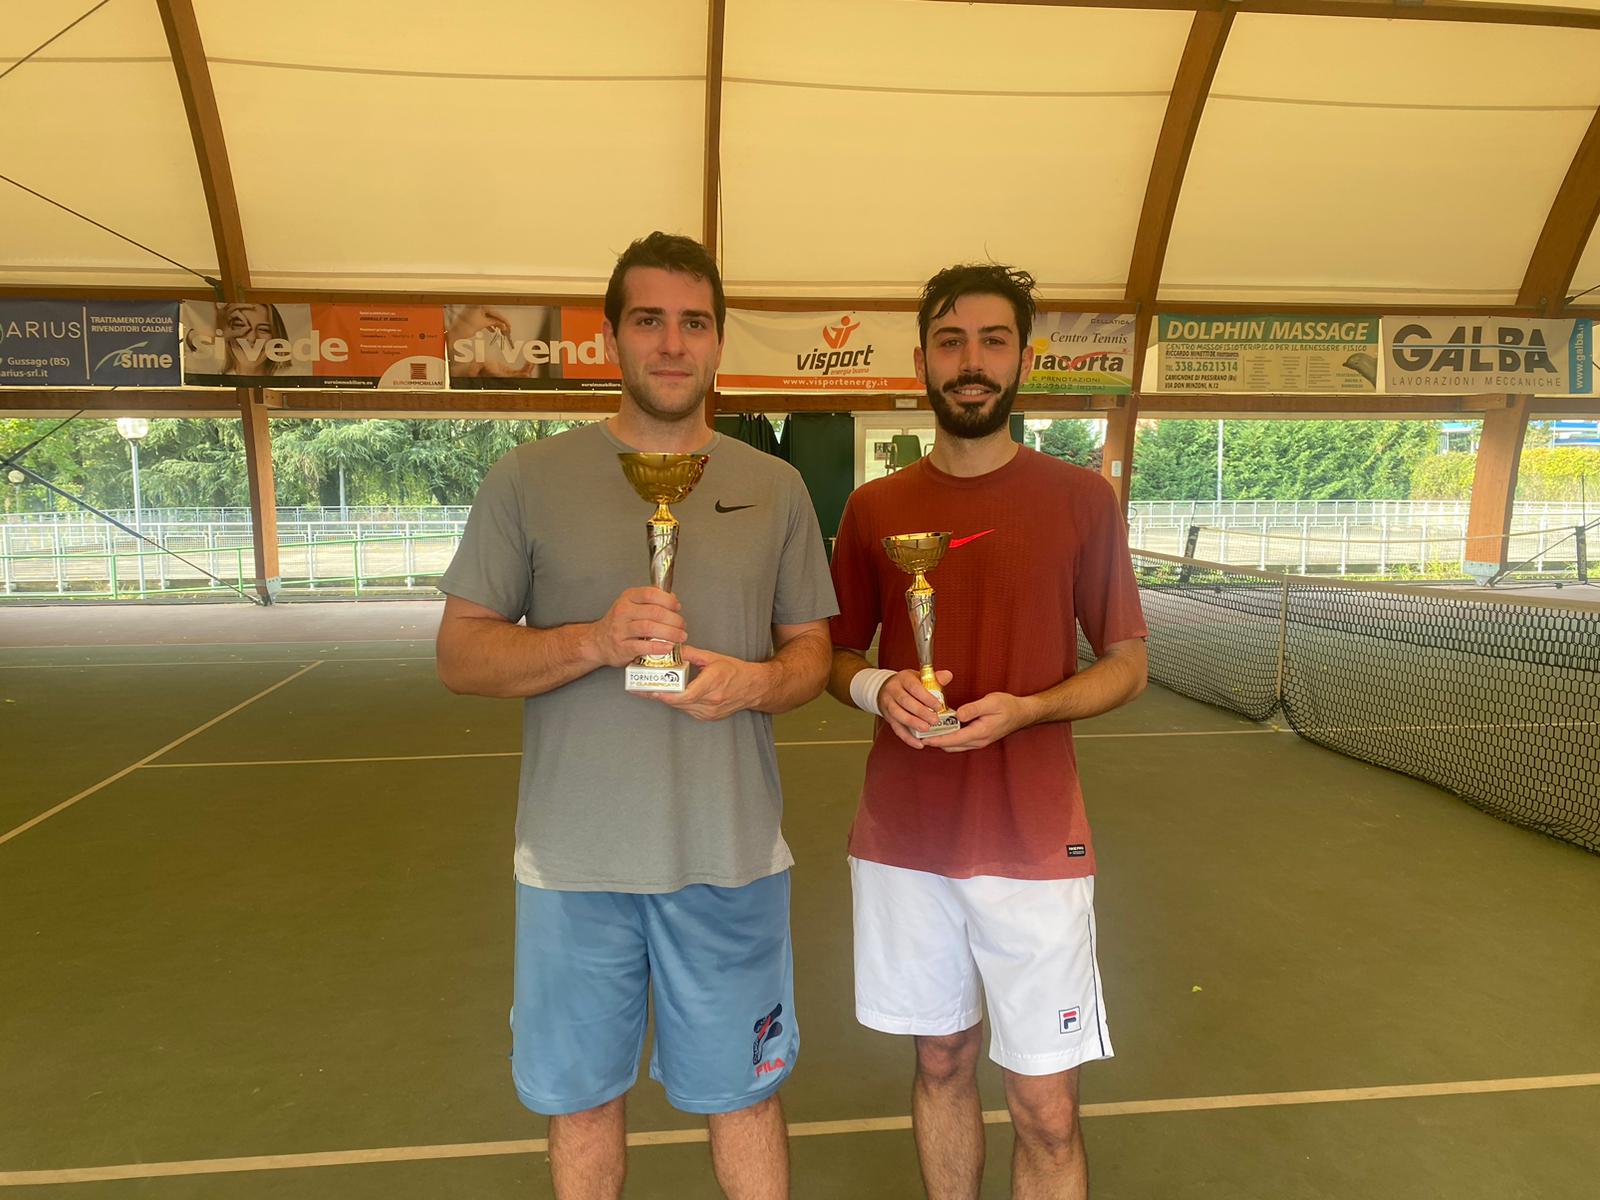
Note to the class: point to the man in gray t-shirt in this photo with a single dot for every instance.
(649, 853)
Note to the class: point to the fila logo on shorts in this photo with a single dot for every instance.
(1070, 1020)
(767, 1028)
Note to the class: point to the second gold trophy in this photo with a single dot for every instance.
(916, 554)
(662, 479)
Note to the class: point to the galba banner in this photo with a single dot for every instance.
(507, 347)
(96, 343)
(1266, 352)
(852, 351)
(1078, 353)
(1488, 354)
(313, 345)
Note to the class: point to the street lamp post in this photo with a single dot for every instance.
(133, 429)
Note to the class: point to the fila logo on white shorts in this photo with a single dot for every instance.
(1070, 1020)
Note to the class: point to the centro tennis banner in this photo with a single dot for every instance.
(101, 343)
(1487, 354)
(313, 345)
(509, 347)
(819, 352)
(1076, 353)
(1266, 352)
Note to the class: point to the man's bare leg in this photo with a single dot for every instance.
(750, 1151)
(588, 1152)
(1047, 1158)
(946, 1115)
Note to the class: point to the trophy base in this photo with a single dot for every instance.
(946, 722)
(641, 677)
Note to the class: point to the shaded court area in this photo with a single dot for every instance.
(256, 942)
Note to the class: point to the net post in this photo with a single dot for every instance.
(1283, 637)
(1580, 538)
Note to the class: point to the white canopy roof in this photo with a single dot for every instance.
(515, 146)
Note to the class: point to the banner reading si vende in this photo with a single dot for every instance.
(854, 351)
(1081, 353)
(313, 345)
(508, 347)
(1266, 352)
(101, 343)
(1487, 354)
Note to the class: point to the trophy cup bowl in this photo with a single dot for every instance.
(916, 554)
(661, 479)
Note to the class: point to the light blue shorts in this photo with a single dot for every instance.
(718, 964)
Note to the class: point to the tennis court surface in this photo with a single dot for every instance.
(257, 904)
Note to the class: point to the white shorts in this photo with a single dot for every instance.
(925, 942)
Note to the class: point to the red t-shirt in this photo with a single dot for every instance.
(1047, 547)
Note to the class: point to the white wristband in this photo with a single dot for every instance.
(865, 686)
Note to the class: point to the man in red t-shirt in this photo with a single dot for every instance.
(971, 861)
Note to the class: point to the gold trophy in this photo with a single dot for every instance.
(662, 479)
(916, 553)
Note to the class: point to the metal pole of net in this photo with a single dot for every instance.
(1493, 697)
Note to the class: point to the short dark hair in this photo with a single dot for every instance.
(670, 252)
(969, 279)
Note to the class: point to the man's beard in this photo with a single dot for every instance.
(955, 419)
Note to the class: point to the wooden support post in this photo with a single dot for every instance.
(1494, 486)
(1116, 462)
(263, 491)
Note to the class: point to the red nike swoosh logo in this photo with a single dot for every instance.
(971, 537)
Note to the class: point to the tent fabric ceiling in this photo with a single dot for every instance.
(515, 146)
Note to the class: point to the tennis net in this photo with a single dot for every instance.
(1495, 698)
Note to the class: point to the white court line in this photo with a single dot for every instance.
(172, 745)
(667, 1137)
(204, 662)
(296, 762)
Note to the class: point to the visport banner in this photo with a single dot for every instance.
(98, 343)
(313, 345)
(510, 347)
(1266, 352)
(1082, 353)
(1488, 354)
(833, 351)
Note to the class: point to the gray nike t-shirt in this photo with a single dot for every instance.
(620, 792)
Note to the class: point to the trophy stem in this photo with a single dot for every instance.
(919, 606)
(662, 538)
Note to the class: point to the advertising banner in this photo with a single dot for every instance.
(508, 347)
(1487, 354)
(855, 351)
(1266, 352)
(98, 343)
(313, 345)
(1082, 352)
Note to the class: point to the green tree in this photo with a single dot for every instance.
(1072, 440)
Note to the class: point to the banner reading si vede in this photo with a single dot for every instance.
(508, 347)
(1488, 354)
(101, 343)
(313, 345)
(1077, 353)
(854, 351)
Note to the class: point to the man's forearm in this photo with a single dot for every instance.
(480, 657)
(1110, 682)
(798, 669)
(845, 666)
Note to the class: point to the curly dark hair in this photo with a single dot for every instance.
(670, 252)
(968, 279)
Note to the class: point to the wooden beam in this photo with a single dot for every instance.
(210, 147)
(1494, 486)
(1450, 11)
(711, 188)
(151, 402)
(263, 491)
(1566, 230)
(1208, 36)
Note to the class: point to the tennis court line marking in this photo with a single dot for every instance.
(380, 758)
(155, 754)
(667, 1137)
